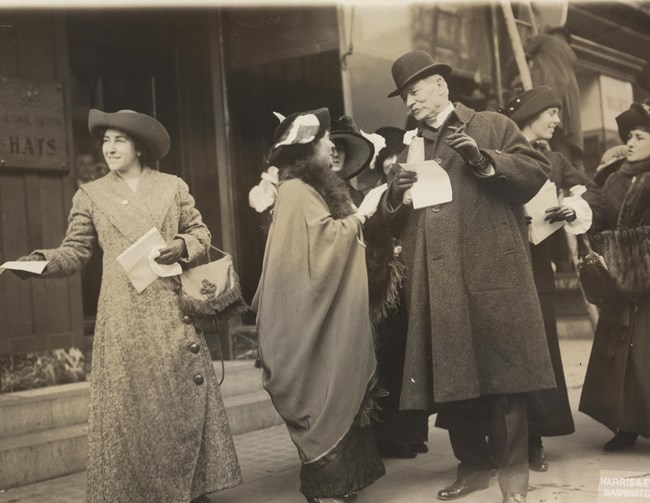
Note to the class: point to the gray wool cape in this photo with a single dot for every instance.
(154, 433)
(474, 321)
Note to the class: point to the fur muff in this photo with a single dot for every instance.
(627, 255)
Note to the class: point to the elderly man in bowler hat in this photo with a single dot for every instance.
(475, 342)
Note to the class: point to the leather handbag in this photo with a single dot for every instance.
(598, 284)
(211, 292)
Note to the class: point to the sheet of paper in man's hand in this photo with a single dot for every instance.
(433, 185)
(33, 266)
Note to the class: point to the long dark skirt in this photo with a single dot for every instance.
(549, 411)
(352, 465)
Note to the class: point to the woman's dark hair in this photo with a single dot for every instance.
(146, 159)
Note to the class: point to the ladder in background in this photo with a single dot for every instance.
(515, 39)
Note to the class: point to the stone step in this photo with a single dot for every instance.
(43, 455)
(24, 412)
(55, 452)
(50, 408)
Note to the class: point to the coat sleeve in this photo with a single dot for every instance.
(191, 228)
(77, 245)
(520, 170)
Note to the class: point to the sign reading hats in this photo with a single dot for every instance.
(32, 125)
(413, 66)
(143, 127)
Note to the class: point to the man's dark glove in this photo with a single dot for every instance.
(399, 181)
(559, 214)
(27, 258)
(465, 146)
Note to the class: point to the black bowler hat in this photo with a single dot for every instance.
(530, 103)
(143, 127)
(358, 150)
(636, 116)
(415, 65)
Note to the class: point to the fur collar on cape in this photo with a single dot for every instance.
(332, 189)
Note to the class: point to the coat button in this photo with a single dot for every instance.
(194, 348)
(435, 208)
(177, 289)
(198, 379)
(124, 202)
(186, 319)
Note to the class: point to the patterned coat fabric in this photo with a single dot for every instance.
(475, 326)
(158, 430)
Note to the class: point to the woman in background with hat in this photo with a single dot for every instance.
(315, 339)
(158, 430)
(537, 113)
(616, 391)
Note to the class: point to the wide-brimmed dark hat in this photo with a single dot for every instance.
(635, 116)
(358, 150)
(530, 103)
(143, 127)
(413, 66)
(394, 137)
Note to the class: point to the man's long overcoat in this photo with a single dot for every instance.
(475, 326)
(158, 429)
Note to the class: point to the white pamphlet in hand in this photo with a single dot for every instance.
(433, 185)
(137, 260)
(33, 266)
(539, 229)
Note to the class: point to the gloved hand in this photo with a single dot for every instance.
(464, 145)
(27, 258)
(400, 181)
(368, 206)
(559, 214)
(172, 253)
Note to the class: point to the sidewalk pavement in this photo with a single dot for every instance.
(270, 464)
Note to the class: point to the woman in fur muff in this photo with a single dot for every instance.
(315, 339)
(537, 113)
(616, 391)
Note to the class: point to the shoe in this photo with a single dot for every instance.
(514, 498)
(536, 457)
(326, 500)
(419, 447)
(403, 451)
(465, 486)
(622, 440)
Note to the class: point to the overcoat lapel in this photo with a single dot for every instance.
(133, 213)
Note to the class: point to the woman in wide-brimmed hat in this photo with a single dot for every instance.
(616, 391)
(315, 339)
(536, 112)
(157, 427)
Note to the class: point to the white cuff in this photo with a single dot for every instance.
(584, 215)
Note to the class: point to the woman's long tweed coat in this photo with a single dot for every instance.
(158, 430)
